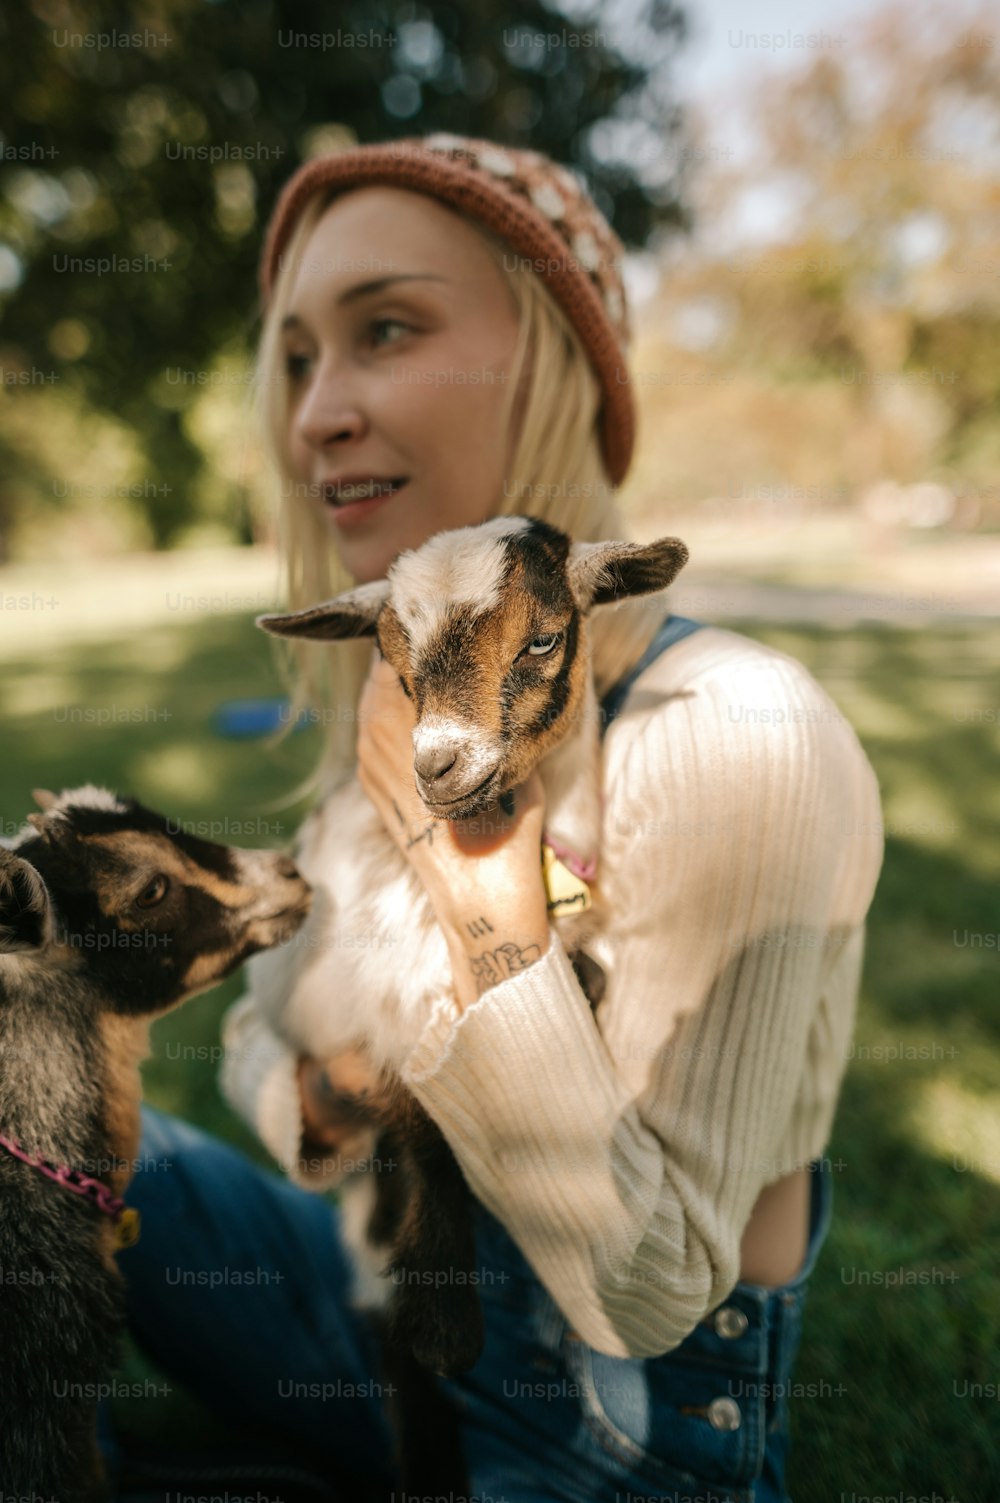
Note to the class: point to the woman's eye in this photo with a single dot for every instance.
(385, 323)
(379, 332)
(154, 892)
(541, 645)
(295, 366)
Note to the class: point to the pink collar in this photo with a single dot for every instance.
(71, 1179)
(583, 867)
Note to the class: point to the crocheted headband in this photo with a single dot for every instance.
(536, 206)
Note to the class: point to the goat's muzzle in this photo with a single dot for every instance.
(456, 773)
(455, 794)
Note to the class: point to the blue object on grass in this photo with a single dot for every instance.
(253, 717)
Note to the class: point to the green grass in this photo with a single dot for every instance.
(916, 1140)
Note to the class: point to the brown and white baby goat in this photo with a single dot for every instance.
(487, 628)
(109, 916)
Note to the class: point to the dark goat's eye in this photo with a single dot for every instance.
(543, 644)
(154, 892)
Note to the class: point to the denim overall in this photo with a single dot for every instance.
(543, 1416)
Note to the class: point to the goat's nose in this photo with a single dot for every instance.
(285, 867)
(431, 763)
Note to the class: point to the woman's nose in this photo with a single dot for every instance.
(328, 411)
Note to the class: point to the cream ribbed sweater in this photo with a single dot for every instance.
(741, 847)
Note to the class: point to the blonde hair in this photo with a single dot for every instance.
(557, 474)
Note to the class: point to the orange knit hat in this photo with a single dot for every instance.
(536, 206)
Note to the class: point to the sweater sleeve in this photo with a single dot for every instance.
(624, 1155)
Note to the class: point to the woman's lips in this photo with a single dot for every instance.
(351, 500)
(343, 492)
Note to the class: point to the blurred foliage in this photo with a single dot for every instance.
(836, 314)
(162, 137)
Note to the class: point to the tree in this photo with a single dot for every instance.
(874, 294)
(159, 141)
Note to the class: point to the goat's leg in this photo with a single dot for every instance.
(425, 1424)
(422, 1211)
(590, 976)
(434, 1311)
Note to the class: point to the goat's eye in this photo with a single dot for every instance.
(543, 644)
(154, 892)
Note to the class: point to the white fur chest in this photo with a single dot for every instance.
(370, 961)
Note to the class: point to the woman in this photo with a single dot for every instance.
(444, 342)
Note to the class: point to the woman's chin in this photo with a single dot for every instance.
(367, 551)
(366, 558)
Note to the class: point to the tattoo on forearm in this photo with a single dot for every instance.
(480, 926)
(497, 965)
(425, 832)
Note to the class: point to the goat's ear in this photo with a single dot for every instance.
(600, 573)
(25, 910)
(43, 797)
(352, 614)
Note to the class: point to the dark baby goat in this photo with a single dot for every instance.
(109, 916)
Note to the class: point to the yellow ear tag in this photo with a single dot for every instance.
(565, 893)
(127, 1228)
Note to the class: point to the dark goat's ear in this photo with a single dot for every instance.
(353, 614)
(600, 573)
(25, 910)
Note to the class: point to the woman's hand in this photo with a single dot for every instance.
(333, 1094)
(483, 875)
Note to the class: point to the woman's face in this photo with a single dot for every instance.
(397, 347)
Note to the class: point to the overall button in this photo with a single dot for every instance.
(724, 1414)
(730, 1322)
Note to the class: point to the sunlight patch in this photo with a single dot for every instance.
(173, 773)
(959, 1127)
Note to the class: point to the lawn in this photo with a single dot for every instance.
(904, 1308)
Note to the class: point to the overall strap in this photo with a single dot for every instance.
(672, 630)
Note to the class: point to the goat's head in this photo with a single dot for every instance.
(486, 628)
(155, 914)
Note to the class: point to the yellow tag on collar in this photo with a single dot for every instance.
(127, 1228)
(565, 893)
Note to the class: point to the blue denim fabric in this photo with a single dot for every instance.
(543, 1415)
(578, 1425)
(672, 629)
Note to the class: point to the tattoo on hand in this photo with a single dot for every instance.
(497, 965)
(479, 927)
(324, 1088)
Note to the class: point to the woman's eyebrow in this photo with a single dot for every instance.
(363, 289)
